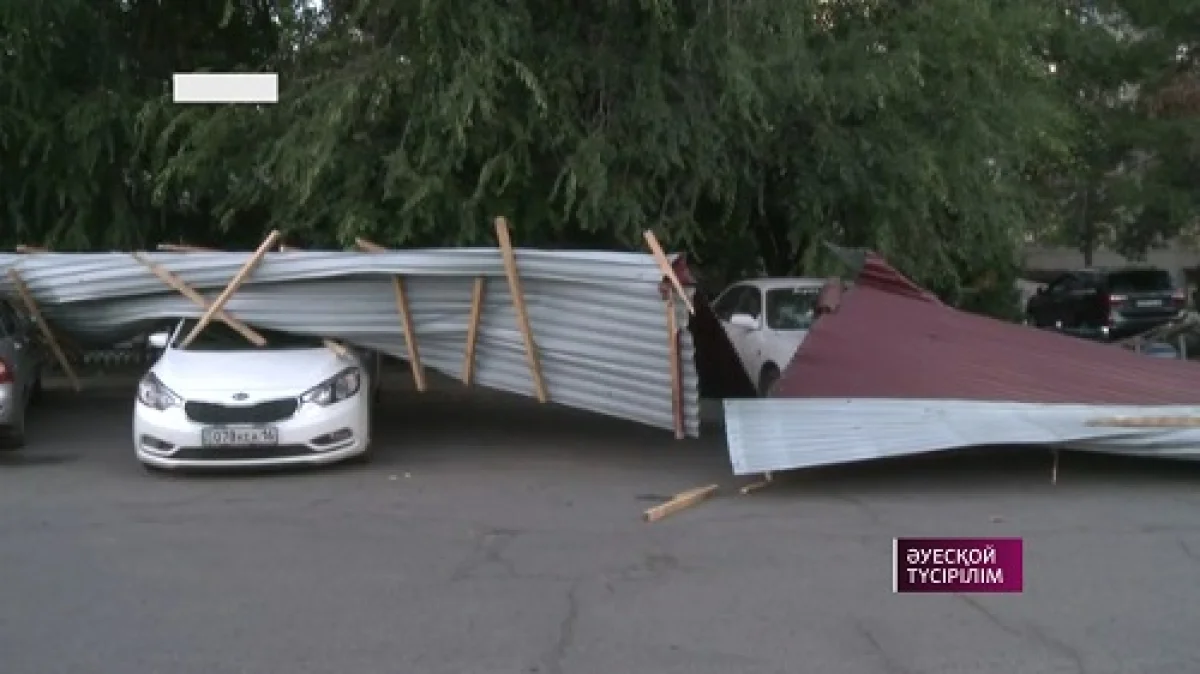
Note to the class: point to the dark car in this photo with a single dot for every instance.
(1107, 304)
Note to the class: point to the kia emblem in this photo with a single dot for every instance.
(240, 396)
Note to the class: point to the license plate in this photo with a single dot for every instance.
(239, 437)
(1149, 303)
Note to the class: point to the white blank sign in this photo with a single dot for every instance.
(225, 87)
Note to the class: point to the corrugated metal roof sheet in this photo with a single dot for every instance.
(782, 434)
(891, 339)
(598, 318)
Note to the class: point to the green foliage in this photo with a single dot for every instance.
(745, 133)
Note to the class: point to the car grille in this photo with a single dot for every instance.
(261, 413)
(241, 453)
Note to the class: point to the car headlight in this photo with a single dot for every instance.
(154, 394)
(343, 385)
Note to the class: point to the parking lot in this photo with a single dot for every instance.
(492, 535)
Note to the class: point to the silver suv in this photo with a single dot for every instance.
(20, 373)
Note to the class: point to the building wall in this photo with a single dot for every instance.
(1176, 260)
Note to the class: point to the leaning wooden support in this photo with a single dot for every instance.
(518, 299)
(242, 329)
(187, 291)
(32, 307)
(235, 283)
(680, 501)
(676, 369)
(664, 265)
(406, 321)
(473, 330)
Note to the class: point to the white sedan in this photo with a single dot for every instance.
(223, 402)
(766, 320)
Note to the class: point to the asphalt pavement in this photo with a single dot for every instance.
(491, 535)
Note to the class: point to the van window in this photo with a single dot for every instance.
(1140, 281)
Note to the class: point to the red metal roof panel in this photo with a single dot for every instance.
(892, 339)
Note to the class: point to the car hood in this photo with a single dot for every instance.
(286, 372)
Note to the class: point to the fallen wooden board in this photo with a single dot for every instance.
(680, 501)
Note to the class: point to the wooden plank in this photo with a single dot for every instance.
(518, 298)
(25, 250)
(668, 271)
(410, 332)
(44, 327)
(680, 501)
(187, 291)
(402, 304)
(473, 330)
(676, 369)
(235, 283)
(334, 346)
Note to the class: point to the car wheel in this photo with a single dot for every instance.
(38, 392)
(767, 380)
(13, 437)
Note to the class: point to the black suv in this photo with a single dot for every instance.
(1107, 304)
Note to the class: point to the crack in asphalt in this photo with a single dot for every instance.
(1030, 632)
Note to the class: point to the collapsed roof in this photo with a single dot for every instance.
(598, 320)
(894, 371)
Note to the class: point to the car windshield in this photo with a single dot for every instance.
(791, 308)
(1139, 281)
(217, 336)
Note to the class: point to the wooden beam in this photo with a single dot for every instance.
(518, 298)
(473, 330)
(402, 308)
(183, 248)
(676, 369)
(44, 327)
(668, 271)
(23, 249)
(187, 291)
(334, 346)
(235, 283)
(410, 332)
(680, 501)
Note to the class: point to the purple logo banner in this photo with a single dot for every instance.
(974, 565)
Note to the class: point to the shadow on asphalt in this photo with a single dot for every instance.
(452, 428)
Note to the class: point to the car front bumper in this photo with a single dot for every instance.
(314, 435)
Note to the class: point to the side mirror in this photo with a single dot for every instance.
(158, 340)
(744, 321)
